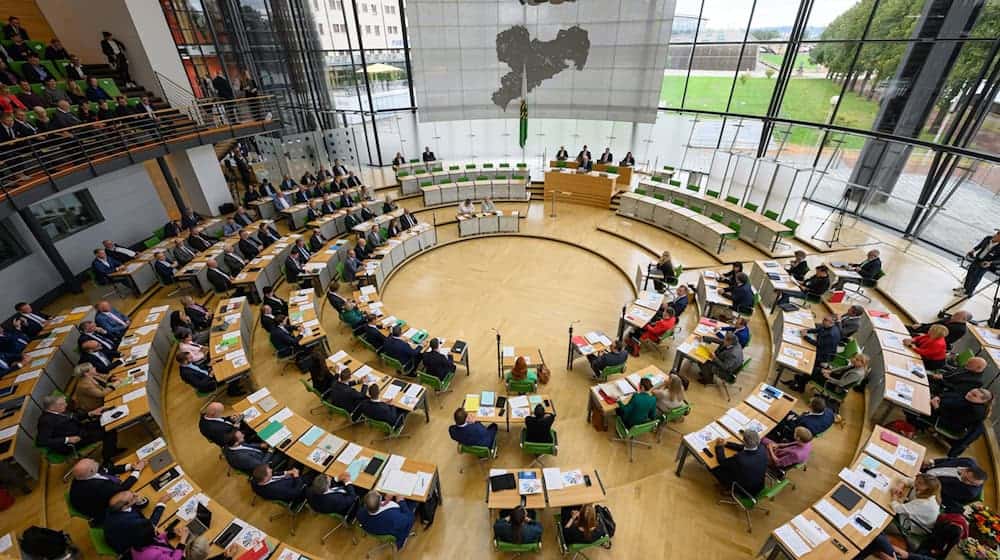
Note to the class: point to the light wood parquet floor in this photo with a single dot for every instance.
(530, 289)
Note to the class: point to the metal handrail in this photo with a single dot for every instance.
(177, 95)
(43, 157)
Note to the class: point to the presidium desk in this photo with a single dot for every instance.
(592, 189)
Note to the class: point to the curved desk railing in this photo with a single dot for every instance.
(64, 157)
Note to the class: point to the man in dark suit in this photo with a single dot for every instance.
(61, 431)
(869, 267)
(242, 217)
(124, 522)
(407, 220)
(583, 153)
(248, 246)
(103, 266)
(825, 337)
(285, 338)
(316, 241)
(277, 304)
(301, 196)
(376, 409)
(428, 155)
(436, 363)
(19, 50)
(173, 228)
(266, 236)
(13, 29)
(190, 219)
(747, 467)
(562, 154)
(234, 263)
(343, 394)
(472, 433)
(616, 355)
(958, 380)
(285, 486)
(89, 331)
(362, 250)
(13, 340)
(218, 428)
(985, 256)
(199, 315)
(586, 164)
(328, 206)
(339, 169)
(244, 456)
(301, 249)
(961, 481)
(287, 184)
(182, 253)
(164, 269)
(92, 487)
(352, 180)
(199, 377)
(64, 117)
(267, 318)
(114, 50)
(198, 241)
(34, 321)
(74, 69)
(293, 267)
(606, 157)
(222, 87)
(219, 280)
(118, 252)
(957, 326)
(91, 352)
(370, 332)
(391, 516)
(33, 71)
(327, 495)
(396, 347)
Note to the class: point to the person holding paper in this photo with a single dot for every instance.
(640, 408)
(726, 361)
(436, 363)
(747, 468)
(376, 409)
(538, 426)
(472, 433)
(397, 348)
(613, 356)
(286, 486)
(329, 495)
(389, 515)
(517, 528)
(62, 430)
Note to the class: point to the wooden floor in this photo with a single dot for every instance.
(530, 289)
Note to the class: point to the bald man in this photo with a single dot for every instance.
(218, 428)
(959, 380)
(92, 487)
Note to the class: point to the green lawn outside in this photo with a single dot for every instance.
(775, 61)
(807, 99)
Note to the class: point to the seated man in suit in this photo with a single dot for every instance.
(198, 241)
(328, 495)
(266, 236)
(217, 428)
(93, 353)
(342, 393)
(268, 320)
(362, 250)
(957, 326)
(294, 269)
(850, 322)
(748, 467)
(124, 522)
(472, 433)
(190, 219)
(61, 430)
(13, 340)
(103, 266)
(437, 364)
(164, 269)
(231, 227)
(961, 481)
(199, 315)
(114, 322)
(396, 347)
(428, 155)
(959, 380)
(118, 252)
(242, 217)
(370, 332)
(90, 331)
(9, 365)
(92, 487)
(33, 321)
(218, 278)
(248, 246)
(741, 293)
(538, 426)
(726, 360)
(616, 355)
(202, 378)
(244, 456)
(817, 420)
(285, 338)
(277, 304)
(390, 516)
(285, 486)
(870, 267)
(173, 228)
(376, 409)
(316, 241)
(182, 253)
(234, 263)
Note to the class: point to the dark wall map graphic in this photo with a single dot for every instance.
(540, 59)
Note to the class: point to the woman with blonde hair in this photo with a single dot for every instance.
(670, 396)
(932, 347)
(665, 266)
(917, 504)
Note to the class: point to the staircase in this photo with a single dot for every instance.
(222, 148)
(537, 191)
(616, 201)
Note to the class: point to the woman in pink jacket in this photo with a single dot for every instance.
(155, 546)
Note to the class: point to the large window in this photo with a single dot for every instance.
(67, 214)
(11, 247)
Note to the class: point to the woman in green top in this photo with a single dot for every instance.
(642, 407)
(351, 314)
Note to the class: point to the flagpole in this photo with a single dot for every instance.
(524, 104)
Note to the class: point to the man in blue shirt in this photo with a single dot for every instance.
(111, 320)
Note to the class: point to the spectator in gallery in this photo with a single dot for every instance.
(115, 51)
(55, 50)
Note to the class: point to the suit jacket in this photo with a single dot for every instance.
(374, 336)
(957, 414)
(31, 326)
(384, 412)
(539, 430)
(344, 396)
(799, 271)
(266, 238)
(280, 487)
(35, 74)
(109, 51)
(245, 457)
(219, 280)
(107, 322)
(293, 269)
(827, 340)
(473, 433)
(742, 297)
(198, 316)
(199, 243)
(395, 521)
(277, 304)
(606, 158)
(869, 268)
(9, 32)
(91, 496)
(62, 119)
(234, 263)
(401, 350)
(729, 359)
(182, 254)
(248, 248)
(954, 492)
(746, 468)
(101, 361)
(53, 429)
(362, 252)
(164, 271)
(244, 219)
(351, 267)
(609, 359)
(103, 270)
(74, 72)
(172, 228)
(849, 325)
(992, 255)
(340, 498)
(89, 393)
(437, 364)
(108, 343)
(562, 155)
(199, 378)
(285, 343)
(429, 156)
(316, 242)
(268, 322)
(216, 430)
(122, 527)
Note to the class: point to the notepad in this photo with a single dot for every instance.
(150, 448)
(553, 478)
(519, 401)
(311, 435)
(792, 540)
(487, 398)
(472, 402)
(624, 387)
(132, 395)
(349, 453)
(508, 351)
(257, 395)
(339, 356)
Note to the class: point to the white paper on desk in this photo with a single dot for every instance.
(390, 393)
(189, 509)
(738, 416)
(792, 540)
(810, 530)
(758, 403)
(520, 401)
(8, 432)
(349, 453)
(141, 350)
(146, 329)
(624, 387)
(62, 330)
(593, 337)
(362, 371)
(150, 448)
(553, 478)
(40, 353)
(282, 415)
(886, 457)
(414, 390)
(497, 472)
(394, 462)
(873, 514)
(339, 356)
(905, 390)
(367, 290)
(47, 342)
(27, 375)
(906, 455)
(80, 309)
(279, 436)
(290, 555)
(896, 396)
(257, 395)
(398, 482)
(410, 332)
(132, 395)
(831, 514)
(389, 321)
(508, 351)
(235, 354)
(317, 456)
(251, 413)
(704, 437)
(306, 306)
(178, 490)
(730, 423)
(423, 481)
(523, 412)
(106, 415)
(314, 323)
(331, 443)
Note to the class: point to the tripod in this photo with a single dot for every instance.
(840, 211)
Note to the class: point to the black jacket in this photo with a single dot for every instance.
(957, 414)
(216, 430)
(538, 430)
(746, 468)
(437, 364)
(246, 456)
(281, 487)
(344, 396)
(219, 280)
(248, 248)
(102, 366)
(53, 429)
(122, 527)
(199, 378)
(954, 492)
(90, 497)
(198, 316)
(285, 343)
(277, 304)
(384, 412)
(340, 498)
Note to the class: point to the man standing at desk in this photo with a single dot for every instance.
(583, 152)
(586, 164)
(562, 154)
(606, 157)
(428, 155)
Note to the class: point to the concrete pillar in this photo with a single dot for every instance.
(200, 177)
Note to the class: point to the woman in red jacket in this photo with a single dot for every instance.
(652, 332)
(932, 347)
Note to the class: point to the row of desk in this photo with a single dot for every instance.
(482, 407)
(264, 206)
(410, 180)
(499, 189)
(828, 530)
(756, 229)
(692, 226)
(549, 487)
(484, 223)
(624, 172)
(331, 224)
(395, 250)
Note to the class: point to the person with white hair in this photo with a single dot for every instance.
(957, 325)
(746, 468)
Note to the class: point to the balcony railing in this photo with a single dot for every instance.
(66, 156)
